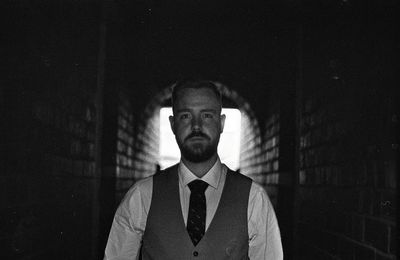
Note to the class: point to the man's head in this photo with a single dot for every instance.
(197, 122)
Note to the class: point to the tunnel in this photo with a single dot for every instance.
(84, 81)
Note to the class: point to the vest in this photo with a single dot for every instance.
(166, 237)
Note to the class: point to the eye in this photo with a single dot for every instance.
(208, 115)
(184, 116)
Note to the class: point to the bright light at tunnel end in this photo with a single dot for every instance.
(228, 148)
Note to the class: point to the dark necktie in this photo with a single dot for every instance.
(196, 222)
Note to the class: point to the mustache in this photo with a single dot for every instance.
(196, 134)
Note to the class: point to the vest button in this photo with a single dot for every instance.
(195, 253)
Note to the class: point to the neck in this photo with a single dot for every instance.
(200, 168)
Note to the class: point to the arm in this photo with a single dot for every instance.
(264, 235)
(129, 223)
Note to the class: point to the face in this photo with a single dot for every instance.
(197, 123)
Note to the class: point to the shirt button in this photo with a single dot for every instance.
(195, 253)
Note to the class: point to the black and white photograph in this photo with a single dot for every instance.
(187, 129)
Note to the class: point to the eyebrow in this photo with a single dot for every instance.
(209, 110)
(182, 110)
(203, 110)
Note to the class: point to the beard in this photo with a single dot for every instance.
(198, 152)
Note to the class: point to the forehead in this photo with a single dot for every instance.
(199, 97)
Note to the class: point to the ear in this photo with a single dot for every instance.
(222, 122)
(171, 122)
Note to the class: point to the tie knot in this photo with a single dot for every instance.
(198, 186)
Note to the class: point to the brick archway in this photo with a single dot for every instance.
(147, 137)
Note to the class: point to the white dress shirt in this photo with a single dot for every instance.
(130, 218)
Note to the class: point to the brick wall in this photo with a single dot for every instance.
(278, 150)
(347, 181)
(347, 186)
(125, 147)
(48, 185)
(47, 176)
(250, 158)
(334, 187)
(347, 146)
(271, 156)
(146, 153)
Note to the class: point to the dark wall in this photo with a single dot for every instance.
(347, 166)
(48, 178)
(335, 186)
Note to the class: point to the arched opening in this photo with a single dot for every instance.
(147, 146)
(228, 147)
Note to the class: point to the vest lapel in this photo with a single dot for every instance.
(177, 203)
(221, 204)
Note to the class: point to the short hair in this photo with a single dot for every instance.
(195, 84)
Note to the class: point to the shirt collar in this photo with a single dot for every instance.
(212, 177)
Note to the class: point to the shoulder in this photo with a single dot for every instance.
(258, 189)
(239, 176)
(141, 189)
(258, 196)
(142, 185)
(167, 171)
(136, 199)
(166, 174)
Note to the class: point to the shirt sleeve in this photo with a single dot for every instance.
(264, 235)
(129, 223)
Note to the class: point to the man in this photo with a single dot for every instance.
(197, 209)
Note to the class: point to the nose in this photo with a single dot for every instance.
(196, 123)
